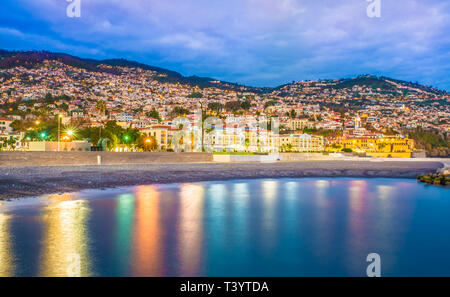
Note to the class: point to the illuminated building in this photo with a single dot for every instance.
(385, 147)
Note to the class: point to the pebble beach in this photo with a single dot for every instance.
(18, 182)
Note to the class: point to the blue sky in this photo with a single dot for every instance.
(254, 42)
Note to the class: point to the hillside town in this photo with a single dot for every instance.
(58, 107)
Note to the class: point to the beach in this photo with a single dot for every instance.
(17, 182)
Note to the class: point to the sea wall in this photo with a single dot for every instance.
(245, 158)
(15, 159)
(288, 157)
(303, 156)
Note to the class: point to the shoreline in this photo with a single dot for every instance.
(21, 182)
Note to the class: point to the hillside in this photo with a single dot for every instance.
(361, 86)
(385, 84)
(32, 59)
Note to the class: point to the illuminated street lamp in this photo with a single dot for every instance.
(70, 132)
(148, 142)
(59, 129)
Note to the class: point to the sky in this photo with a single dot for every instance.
(252, 42)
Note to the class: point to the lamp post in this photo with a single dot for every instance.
(201, 123)
(148, 143)
(59, 130)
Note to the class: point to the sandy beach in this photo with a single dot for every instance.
(16, 182)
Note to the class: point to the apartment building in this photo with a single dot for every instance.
(5, 125)
(300, 124)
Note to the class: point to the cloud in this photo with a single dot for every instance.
(257, 42)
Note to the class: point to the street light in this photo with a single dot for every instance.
(70, 132)
(148, 142)
(59, 129)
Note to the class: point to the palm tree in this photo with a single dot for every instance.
(101, 106)
(19, 126)
(12, 143)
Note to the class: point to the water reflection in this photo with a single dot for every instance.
(66, 242)
(215, 225)
(290, 209)
(322, 196)
(269, 188)
(238, 222)
(322, 187)
(384, 192)
(269, 221)
(147, 234)
(216, 210)
(191, 228)
(291, 227)
(6, 251)
(358, 227)
(358, 195)
(61, 197)
(124, 215)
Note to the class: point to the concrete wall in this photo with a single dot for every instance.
(389, 155)
(52, 146)
(16, 159)
(287, 157)
(245, 158)
(302, 156)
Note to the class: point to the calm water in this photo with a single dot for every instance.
(286, 227)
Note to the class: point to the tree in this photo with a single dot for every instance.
(293, 114)
(433, 142)
(178, 111)
(19, 126)
(12, 142)
(233, 106)
(64, 107)
(245, 105)
(153, 114)
(307, 130)
(115, 134)
(195, 95)
(270, 103)
(101, 106)
(215, 107)
(48, 98)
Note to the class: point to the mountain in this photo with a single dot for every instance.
(382, 85)
(385, 84)
(31, 59)
(360, 86)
